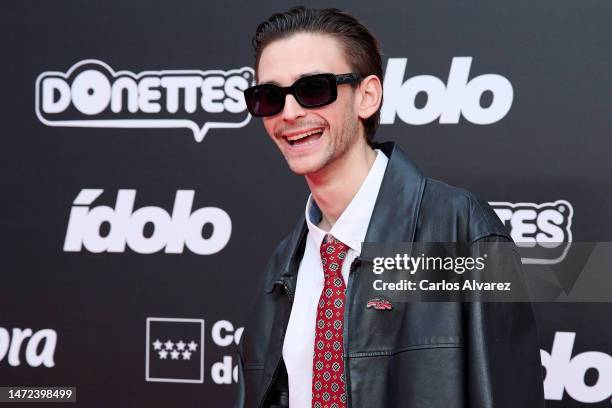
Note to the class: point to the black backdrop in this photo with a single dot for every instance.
(533, 130)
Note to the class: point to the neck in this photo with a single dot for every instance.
(334, 187)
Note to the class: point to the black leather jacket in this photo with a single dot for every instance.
(420, 355)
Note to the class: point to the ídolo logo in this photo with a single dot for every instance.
(172, 232)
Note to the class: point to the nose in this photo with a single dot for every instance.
(292, 109)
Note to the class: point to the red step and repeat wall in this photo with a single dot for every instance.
(140, 200)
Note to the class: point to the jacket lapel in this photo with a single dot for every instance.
(395, 213)
(289, 259)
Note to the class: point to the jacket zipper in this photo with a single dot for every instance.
(265, 395)
(288, 292)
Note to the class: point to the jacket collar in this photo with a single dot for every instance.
(393, 219)
(397, 206)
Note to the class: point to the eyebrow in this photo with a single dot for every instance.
(301, 76)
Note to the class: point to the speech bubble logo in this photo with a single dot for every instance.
(91, 94)
(542, 232)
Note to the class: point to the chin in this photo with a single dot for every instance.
(303, 168)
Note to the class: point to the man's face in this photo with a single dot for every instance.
(337, 125)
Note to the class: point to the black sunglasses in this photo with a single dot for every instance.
(310, 92)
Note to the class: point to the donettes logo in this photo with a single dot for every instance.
(92, 94)
(542, 232)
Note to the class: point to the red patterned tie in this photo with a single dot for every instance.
(328, 389)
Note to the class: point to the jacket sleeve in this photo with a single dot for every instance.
(503, 354)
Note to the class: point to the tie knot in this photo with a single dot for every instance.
(333, 253)
(332, 242)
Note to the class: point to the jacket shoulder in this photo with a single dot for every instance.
(457, 214)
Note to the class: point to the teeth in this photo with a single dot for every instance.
(303, 135)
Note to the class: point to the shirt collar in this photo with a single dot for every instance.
(352, 225)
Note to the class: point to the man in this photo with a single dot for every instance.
(311, 340)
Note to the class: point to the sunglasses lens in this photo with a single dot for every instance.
(312, 91)
(264, 100)
(315, 90)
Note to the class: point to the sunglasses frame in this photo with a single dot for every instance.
(336, 79)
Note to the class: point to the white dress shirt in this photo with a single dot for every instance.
(350, 228)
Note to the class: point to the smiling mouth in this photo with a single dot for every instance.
(305, 138)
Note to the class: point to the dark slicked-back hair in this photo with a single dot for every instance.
(361, 49)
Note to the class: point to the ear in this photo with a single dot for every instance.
(369, 96)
